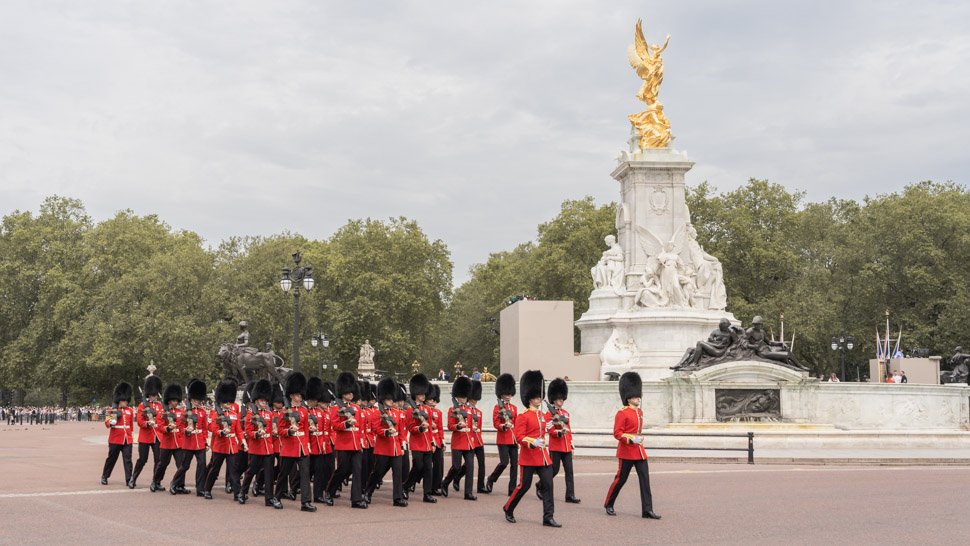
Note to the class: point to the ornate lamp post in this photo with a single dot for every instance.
(293, 279)
(415, 368)
(842, 344)
(457, 369)
(320, 340)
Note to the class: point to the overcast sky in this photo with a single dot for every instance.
(477, 119)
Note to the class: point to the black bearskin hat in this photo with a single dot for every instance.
(346, 382)
(419, 385)
(531, 386)
(196, 390)
(400, 395)
(386, 389)
(328, 390)
(296, 384)
(435, 393)
(462, 388)
(277, 396)
(225, 392)
(505, 384)
(631, 386)
(262, 390)
(122, 392)
(476, 391)
(314, 388)
(153, 385)
(172, 392)
(558, 389)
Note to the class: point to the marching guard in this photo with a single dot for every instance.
(627, 427)
(170, 441)
(145, 417)
(503, 419)
(294, 427)
(477, 423)
(119, 422)
(321, 450)
(259, 426)
(227, 438)
(346, 421)
(422, 438)
(560, 437)
(387, 449)
(532, 428)
(438, 437)
(462, 439)
(194, 425)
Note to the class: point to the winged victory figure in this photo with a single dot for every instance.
(653, 125)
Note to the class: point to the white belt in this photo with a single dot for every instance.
(120, 426)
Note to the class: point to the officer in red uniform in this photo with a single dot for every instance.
(169, 439)
(462, 438)
(145, 416)
(503, 419)
(404, 433)
(294, 428)
(227, 437)
(627, 427)
(368, 409)
(259, 436)
(422, 438)
(119, 422)
(560, 437)
(346, 422)
(195, 427)
(319, 437)
(387, 449)
(532, 428)
(438, 437)
(479, 443)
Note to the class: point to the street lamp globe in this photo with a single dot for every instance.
(285, 282)
(313, 341)
(308, 279)
(848, 343)
(835, 344)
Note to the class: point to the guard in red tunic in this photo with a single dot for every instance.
(346, 421)
(119, 422)
(227, 437)
(560, 437)
(462, 438)
(387, 449)
(195, 427)
(627, 427)
(145, 416)
(477, 420)
(169, 439)
(371, 416)
(422, 438)
(404, 432)
(532, 428)
(503, 419)
(294, 427)
(319, 431)
(259, 436)
(438, 437)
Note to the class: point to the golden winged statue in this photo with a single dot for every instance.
(653, 125)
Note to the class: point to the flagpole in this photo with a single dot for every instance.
(886, 341)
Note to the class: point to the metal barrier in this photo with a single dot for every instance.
(748, 435)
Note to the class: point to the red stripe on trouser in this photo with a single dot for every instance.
(618, 470)
(517, 487)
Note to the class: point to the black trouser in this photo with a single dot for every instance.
(406, 463)
(216, 468)
(643, 472)
(322, 472)
(349, 463)
(457, 456)
(163, 460)
(109, 463)
(437, 468)
(507, 454)
(302, 464)
(545, 481)
(368, 462)
(381, 464)
(260, 465)
(143, 450)
(564, 458)
(480, 455)
(178, 480)
(421, 470)
(260, 481)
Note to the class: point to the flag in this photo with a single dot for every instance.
(896, 352)
(879, 355)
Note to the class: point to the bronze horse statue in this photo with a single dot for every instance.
(251, 366)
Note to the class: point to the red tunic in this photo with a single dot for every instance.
(437, 428)
(477, 425)
(320, 440)
(421, 440)
(560, 438)
(531, 424)
(461, 436)
(505, 427)
(627, 424)
(387, 444)
(347, 438)
(273, 428)
(260, 446)
(404, 428)
(166, 439)
(120, 432)
(296, 444)
(225, 444)
(373, 418)
(197, 440)
(146, 434)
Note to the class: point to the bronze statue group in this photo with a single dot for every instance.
(314, 439)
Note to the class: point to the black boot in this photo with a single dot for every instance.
(610, 511)
(360, 504)
(573, 500)
(401, 502)
(650, 514)
(327, 499)
(307, 507)
(509, 517)
(550, 523)
(104, 481)
(151, 487)
(275, 503)
(429, 498)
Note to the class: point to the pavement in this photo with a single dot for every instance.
(50, 492)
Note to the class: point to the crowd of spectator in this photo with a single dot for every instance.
(48, 415)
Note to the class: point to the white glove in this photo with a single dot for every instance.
(538, 444)
(638, 440)
(113, 422)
